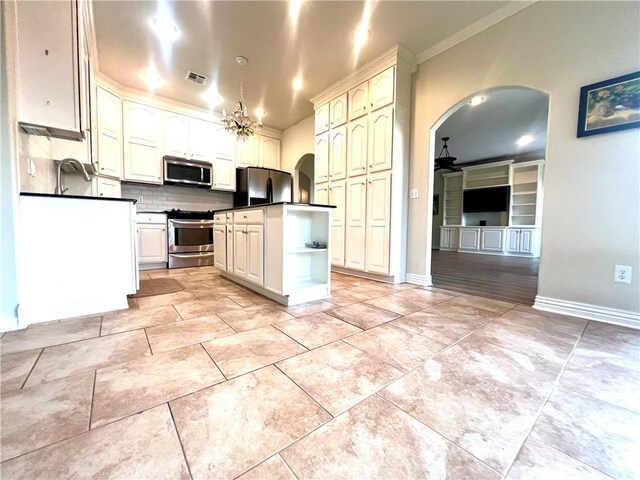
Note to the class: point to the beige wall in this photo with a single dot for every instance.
(297, 141)
(591, 203)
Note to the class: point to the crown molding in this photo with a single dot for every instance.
(469, 31)
(397, 55)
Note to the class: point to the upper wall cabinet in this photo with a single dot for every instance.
(322, 158)
(201, 136)
(322, 119)
(248, 152)
(48, 70)
(176, 134)
(109, 138)
(380, 152)
(381, 89)
(357, 147)
(269, 152)
(338, 111)
(142, 143)
(359, 100)
(225, 143)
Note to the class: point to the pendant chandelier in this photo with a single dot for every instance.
(238, 122)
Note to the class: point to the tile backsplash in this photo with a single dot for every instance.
(165, 197)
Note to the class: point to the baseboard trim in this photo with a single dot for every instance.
(422, 280)
(614, 316)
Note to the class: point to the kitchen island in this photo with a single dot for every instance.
(280, 250)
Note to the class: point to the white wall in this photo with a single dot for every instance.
(297, 141)
(591, 204)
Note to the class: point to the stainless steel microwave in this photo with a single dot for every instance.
(188, 173)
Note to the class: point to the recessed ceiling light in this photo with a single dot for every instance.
(164, 27)
(297, 83)
(477, 100)
(524, 140)
(212, 97)
(151, 77)
(260, 112)
(361, 36)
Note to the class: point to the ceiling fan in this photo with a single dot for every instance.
(446, 162)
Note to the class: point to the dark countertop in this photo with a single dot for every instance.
(298, 204)
(77, 197)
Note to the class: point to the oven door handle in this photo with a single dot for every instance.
(192, 224)
(191, 255)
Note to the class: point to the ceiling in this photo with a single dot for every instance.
(491, 129)
(319, 47)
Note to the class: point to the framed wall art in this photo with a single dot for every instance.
(610, 105)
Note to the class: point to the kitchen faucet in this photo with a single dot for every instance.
(59, 190)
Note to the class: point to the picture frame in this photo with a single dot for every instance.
(436, 204)
(610, 106)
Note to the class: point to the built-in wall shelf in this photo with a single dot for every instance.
(307, 250)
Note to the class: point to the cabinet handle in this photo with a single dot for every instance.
(364, 108)
(371, 104)
(102, 168)
(101, 195)
(370, 166)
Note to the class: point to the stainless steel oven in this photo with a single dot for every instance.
(188, 173)
(190, 239)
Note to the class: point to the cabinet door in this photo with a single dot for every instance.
(338, 111)
(469, 238)
(492, 240)
(380, 140)
(381, 89)
(513, 240)
(224, 174)
(201, 136)
(107, 187)
(270, 152)
(322, 194)
(255, 253)
(152, 243)
(248, 152)
(359, 100)
(230, 243)
(356, 214)
(445, 238)
(176, 135)
(526, 241)
(338, 153)
(220, 246)
(142, 143)
(357, 147)
(240, 250)
(322, 119)
(224, 143)
(109, 115)
(453, 238)
(322, 158)
(338, 197)
(378, 223)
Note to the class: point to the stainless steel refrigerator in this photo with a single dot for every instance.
(256, 186)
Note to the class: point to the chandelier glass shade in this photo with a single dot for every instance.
(238, 122)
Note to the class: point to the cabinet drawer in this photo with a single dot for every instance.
(220, 218)
(151, 218)
(249, 216)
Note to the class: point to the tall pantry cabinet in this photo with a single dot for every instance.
(362, 149)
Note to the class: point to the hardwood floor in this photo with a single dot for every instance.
(513, 279)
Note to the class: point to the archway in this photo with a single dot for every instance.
(486, 222)
(303, 179)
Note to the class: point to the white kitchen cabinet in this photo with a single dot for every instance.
(248, 152)
(176, 134)
(240, 250)
(338, 111)
(152, 238)
(356, 214)
(338, 153)
(229, 247)
(378, 223)
(359, 101)
(48, 67)
(107, 187)
(269, 152)
(322, 194)
(109, 138)
(322, 158)
(380, 151)
(338, 197)
(357, 147)
(448, 238)
(220, 246)
(255, 253)
(322, 119)
(469, 239)
(225, 142)
(381, 89)
(523, 241)
(224, 174)
(201, 136)
(492, 239)
(142, 143)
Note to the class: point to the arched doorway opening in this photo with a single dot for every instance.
(303, 179)
(487, 204)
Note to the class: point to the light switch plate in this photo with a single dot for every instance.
(622, 274)
(140, 199)
(413, 193)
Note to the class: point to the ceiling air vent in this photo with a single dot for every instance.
(196, 77)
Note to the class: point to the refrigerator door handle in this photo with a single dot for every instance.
(270, 190)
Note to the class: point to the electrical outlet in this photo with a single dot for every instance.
(140, 199)
(622, 274)
(31, 170)
(413, 193)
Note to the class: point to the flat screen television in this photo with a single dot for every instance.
(493, 199)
